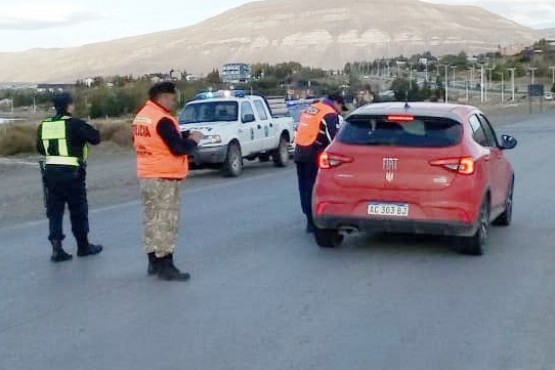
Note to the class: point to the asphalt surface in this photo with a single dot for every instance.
(263, 296)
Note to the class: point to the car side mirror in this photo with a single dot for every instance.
(508, 142)
(248, 118)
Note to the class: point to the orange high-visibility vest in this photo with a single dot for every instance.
(309, 126)
(154, 158)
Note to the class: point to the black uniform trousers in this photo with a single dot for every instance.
(66, 185)
(307, 171)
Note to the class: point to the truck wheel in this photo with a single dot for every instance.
(281, 154)
(233, 165)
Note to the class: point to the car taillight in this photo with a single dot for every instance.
(400, 118)
(464, 166)
(328, 160)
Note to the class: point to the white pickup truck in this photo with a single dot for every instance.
(236, 126)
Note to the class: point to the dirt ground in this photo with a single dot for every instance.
(111, 174)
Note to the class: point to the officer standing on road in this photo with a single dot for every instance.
(63, 141)
(317, 128)
(162, 164)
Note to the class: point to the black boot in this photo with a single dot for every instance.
(58, 253)
(85, 249)
(167, 270)
(152, 264)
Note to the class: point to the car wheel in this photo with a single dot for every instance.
(476, 244)
(507, 216)
(328, 238)
(281, 154)
(264, 157)
(233, 165)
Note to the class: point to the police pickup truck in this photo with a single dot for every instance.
(236, 126)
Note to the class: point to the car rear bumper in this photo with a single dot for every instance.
(209, 155)
(350, 224)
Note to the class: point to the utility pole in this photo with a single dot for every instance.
(446, 84)
(482, 80)
(512, 70)
(533, 71)
(454, 68)
(502, 86)
(466, 85)
(490, 69)
(552, 68)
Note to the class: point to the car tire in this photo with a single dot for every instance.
(506, 217)
(264, 157)
(475, 245)
(233, 165)
(328, 238)
(281, 154)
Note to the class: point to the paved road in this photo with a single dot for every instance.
(265, 297)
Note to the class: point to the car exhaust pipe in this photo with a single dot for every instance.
(348, 230)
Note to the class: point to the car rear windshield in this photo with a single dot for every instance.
(209, 112)
(426, 132)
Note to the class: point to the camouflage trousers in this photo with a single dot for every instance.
(161, 200)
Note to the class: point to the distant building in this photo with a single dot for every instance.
(235, 73)
(53, 88)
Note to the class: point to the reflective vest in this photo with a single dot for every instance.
(310, 121)
(154, 158)
(55, 142)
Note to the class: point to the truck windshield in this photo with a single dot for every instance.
(209, 112)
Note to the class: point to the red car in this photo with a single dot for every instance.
(422, 168)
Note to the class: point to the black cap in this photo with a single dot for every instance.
(61, 101)
(161, 88)
(339, 99)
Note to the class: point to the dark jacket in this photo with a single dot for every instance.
(78, 133)
(328, 130)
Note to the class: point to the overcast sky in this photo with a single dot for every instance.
(26, 24)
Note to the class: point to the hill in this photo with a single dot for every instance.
(319, 33)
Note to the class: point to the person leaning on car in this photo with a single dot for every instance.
(317, 128)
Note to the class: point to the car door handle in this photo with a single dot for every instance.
(271, 125)
(259, 127)
(240, 130)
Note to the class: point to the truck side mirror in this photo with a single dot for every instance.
(248, 118)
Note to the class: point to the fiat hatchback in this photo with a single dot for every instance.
(419, 168)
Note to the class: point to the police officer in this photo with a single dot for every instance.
(63, 141)
(162, 164)
(317, 128)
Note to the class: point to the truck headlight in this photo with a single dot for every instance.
(212, 139)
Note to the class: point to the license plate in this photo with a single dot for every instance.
(388, 210)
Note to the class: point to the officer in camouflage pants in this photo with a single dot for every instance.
(162, 164)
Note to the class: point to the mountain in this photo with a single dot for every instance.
(319, 33)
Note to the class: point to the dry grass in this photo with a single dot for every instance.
(17, 139)
(20, 138)
(117, 131)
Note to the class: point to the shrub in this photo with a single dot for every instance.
(18, 139)
(118, 132)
